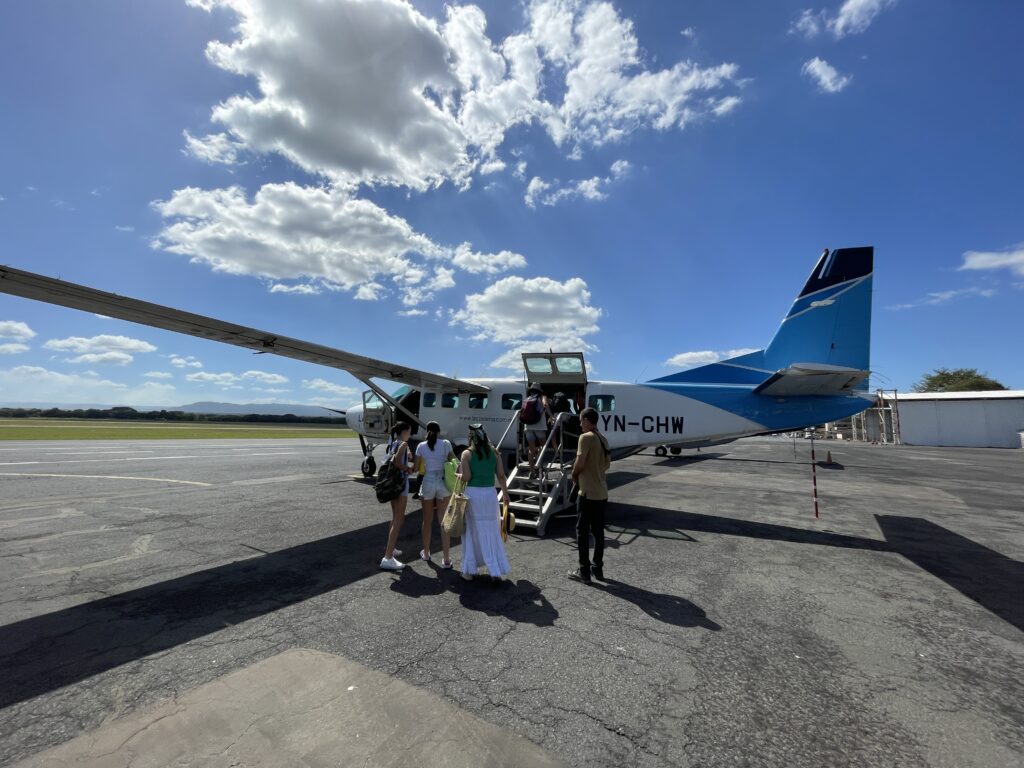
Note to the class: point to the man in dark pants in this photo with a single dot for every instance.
(589, 473)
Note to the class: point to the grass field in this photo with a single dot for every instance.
(117, 429)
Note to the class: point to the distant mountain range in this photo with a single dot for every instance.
(268, 409)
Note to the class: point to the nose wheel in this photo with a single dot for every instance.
(369, 466)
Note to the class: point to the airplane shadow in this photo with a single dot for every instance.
(989, 578)
(47, 652)
(670, 609)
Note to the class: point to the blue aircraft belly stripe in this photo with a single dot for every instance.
(771, 413)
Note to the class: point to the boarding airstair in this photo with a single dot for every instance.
(539, 495)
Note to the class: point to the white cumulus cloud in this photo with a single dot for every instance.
(531, 314)
(322, 238)
(372, 91)
(704, 357)
(158, 375)
(265, 378)
(13, 348)
(322, 385)
(13, 329)
(214, 148)
(203, 377)
(825, 75)
(1012, 259)
(103, 349)
(594, 188)
(29, 383)
(853, 18)
(178, 361)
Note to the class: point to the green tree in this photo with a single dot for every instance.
(957, 380)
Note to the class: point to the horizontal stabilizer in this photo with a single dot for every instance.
(812, 379)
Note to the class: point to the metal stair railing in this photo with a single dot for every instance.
(550, 494)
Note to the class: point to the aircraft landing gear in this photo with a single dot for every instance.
(676, 450)
(661, 450)
(369, 467)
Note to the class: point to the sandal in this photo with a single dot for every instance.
(424, 556)
(446, 565)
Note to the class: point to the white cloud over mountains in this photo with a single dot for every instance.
(41, 385)
(234, 381)
(103, 349)
(531, 314)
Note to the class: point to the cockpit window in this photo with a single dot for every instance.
(449, 400)
(430, 399)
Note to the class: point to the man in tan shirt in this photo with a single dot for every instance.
(589, 473)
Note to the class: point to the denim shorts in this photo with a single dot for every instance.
(433, 486)
(536, 435)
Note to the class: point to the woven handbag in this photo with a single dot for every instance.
(454, 521)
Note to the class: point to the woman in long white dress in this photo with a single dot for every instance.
(481, 543)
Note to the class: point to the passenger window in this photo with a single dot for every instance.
(430, 399)
(449, 400)
(603, 402)
(538, 365)
(511, 402)
(477, 400)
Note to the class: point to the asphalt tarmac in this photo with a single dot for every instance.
(735, 629)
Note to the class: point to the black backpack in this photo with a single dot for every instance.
(532, 410)
(560, 403)
(390, 481)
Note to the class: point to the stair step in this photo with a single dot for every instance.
(525, 492)
(525, 523)
(524, 506)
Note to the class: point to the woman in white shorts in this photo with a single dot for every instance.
(433, 492)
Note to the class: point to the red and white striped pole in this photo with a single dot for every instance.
(814, 476)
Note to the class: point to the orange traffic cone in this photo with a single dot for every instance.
(828, 458)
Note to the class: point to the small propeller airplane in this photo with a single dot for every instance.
(814, 370)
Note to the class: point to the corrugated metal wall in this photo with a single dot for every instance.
(965, 423)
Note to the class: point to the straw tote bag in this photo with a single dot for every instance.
(454, 521)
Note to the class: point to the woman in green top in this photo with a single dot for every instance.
(481, 543)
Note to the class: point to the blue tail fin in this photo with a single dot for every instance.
(830, 321)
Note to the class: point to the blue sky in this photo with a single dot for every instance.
(444, 185)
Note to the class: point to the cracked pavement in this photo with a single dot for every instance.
(735, 629)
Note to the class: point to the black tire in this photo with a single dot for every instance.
(676, 450)
(661, 450)
(369, 467)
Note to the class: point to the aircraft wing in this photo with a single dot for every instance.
(41, 288)
(812, 379)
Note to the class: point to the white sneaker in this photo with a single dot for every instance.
(391, 564)
(424, 555)
(396, 552)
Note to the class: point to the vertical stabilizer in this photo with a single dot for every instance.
(830, 321)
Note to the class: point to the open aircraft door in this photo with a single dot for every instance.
(558, 372)
(378, 417)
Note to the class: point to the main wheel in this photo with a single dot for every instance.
(369, 466)
(661, 450)
(676, 450)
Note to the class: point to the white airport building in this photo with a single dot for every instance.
(963, 419)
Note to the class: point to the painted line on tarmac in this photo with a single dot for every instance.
(279, 479)
(139, 548)
(106, 477)
(22, 520)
